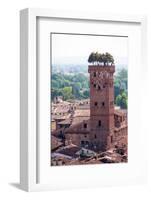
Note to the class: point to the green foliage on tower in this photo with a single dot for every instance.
(104, 59)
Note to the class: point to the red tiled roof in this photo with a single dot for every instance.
(55, 143)
(69, 150)
(120, 112)
(77, 125)
(66, 121)
(82, 113)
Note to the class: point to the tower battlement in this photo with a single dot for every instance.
(101, 68)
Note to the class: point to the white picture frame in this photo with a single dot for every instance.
(29, 148)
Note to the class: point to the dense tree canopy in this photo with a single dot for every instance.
(102, 59)
(121, 100)
(76, 86)
(69, 86)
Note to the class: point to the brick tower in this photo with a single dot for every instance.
(101, 106)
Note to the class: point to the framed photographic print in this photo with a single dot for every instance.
(81, 77)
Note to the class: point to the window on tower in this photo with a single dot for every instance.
(99, 123)
(96, 103)
(103, 104)
(85, 125)
(94, 74)
(94, 85)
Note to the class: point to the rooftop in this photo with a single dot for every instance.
(55, 143)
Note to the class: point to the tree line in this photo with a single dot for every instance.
(77, 87)
(120, 88)
(69, 86)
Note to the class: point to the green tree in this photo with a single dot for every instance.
(122, 74)
(120, 82)
(67, 93)
(121, 100)
(55, 92)
(97, 55)
(116, 88)
(98, 58)
(86, 94)
(118, 100)
(54, 84)
(66, 83)
(92, 58)
(109, 58)
(76, 90)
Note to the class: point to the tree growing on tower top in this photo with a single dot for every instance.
(102, 59)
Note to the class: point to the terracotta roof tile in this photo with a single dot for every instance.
(55, 143)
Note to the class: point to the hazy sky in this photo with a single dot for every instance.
(67, 47)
